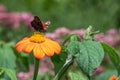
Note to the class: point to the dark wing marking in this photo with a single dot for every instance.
(37, 24)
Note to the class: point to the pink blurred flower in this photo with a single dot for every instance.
(99, 37)
(80, 32)
(61, 31)
(23, 75)
(3, 18)
(52, 36)
(2, 8)
(43, 69)
(13, 19)
(111, 37)
(112, 32)
(26, 18)
(98, 70)
(110, 40)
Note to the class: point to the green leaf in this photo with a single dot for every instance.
(113, 55)
(10, 73)
(7, 57)
(72, 37)
(89, 55)
(77, 75)
(58, 61)
(73, 48)
(22, 62)
(10, 44)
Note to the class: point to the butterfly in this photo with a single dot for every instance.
(38, 25)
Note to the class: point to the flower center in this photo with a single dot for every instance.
(37, 37)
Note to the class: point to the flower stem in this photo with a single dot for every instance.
(36, 67)
(68, 62)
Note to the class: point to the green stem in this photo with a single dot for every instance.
(68, 62)
(36, 67)
(70, 37)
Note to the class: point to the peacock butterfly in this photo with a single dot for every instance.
(38, 25)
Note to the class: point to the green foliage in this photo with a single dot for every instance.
(7, 62)
(9, 72)
(77, 75)
(103, 14)
(22, 62)
(89, 55)
(114, 57)
(7, 57)
(72, 37)
(58, 61)
(73, 48)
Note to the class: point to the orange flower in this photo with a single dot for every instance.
(113, 77)
(40, 46)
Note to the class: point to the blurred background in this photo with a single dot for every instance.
(101, 14)
(16, 15)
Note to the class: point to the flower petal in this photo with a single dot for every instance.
(113, 77)
(21, 46)
(29, 47)
(22, 41)
(47, 49)
(54, 45)
(38, 53)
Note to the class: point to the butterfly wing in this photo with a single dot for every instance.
(37, 24)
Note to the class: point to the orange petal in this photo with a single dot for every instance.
(29, 47)
(47, 49)
(21, 46)
(38, 53)
(22, 41)
(113, 77)
(54, 45)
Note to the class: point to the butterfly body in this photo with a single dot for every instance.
(38, 25)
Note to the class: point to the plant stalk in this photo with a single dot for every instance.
(67, 64)
(36, 67)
